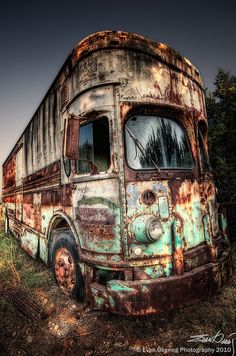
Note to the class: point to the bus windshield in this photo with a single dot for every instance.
(153, 141)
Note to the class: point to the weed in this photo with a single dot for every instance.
(17, 268)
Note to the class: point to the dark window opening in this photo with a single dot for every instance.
(205, 163)
(94, 146)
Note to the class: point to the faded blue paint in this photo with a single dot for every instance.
(119, 286)
(163, 207)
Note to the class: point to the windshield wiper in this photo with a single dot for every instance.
(142, 149)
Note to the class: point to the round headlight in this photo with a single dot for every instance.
(154, 229)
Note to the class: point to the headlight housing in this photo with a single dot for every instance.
(153, 229)
(146, 228)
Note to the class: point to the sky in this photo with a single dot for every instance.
(36, 36)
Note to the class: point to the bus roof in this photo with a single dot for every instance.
(124, 40)
(131, 41)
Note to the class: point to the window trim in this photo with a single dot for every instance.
(84, 175)
(200, 135)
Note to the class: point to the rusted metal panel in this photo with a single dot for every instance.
(154, 296)
(70, 144)
(118, 39)
(9, 174)
(98, 217)
(19, 207)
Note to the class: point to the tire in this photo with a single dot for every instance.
(65, 265)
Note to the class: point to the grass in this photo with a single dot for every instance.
(17, 268)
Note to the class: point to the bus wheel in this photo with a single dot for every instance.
(65, 264)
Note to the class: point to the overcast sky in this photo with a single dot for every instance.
(37, 36)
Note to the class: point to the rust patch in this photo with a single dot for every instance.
(9, 199)
(58, 197)
(126, 40)
(65, 270)
(67, 196)
(196, 257)
(48, 175)
(96, 216)
(148, 197)
(98, 232)
(9, 173)
(178, 261)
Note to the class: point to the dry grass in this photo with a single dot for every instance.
(73, 330)
(17, 268)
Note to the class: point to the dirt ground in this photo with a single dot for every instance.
(71, 328)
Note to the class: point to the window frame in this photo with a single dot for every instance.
(161, 168)
(200, 136)
(84, 123)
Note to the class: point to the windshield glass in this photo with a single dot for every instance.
(153, 141)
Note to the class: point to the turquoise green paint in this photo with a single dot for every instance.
(82, 267)
(112, 302)
(163, 207)
(115, 258)
(43, 249)
(158, 270)
(138, 228)
(99, 301)
(192, 231)
(99, 244)
(119, 287)
(47, 215)
(144, 289)
(177, 236)
(207, 229)
(163, 246)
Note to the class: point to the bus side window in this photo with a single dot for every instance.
(94, 146)
(205, 163)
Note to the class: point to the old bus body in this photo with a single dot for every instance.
(110, 182)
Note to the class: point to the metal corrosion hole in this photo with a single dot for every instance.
(148, 197)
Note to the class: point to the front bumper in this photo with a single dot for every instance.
(151, 296)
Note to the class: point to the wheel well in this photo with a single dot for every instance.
(59, 225)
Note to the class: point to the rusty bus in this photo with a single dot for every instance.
(110, 182)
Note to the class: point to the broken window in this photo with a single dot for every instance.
(94, 146)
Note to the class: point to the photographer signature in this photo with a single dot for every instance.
(218, 338)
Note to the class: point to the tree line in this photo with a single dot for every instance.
(221, 110)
